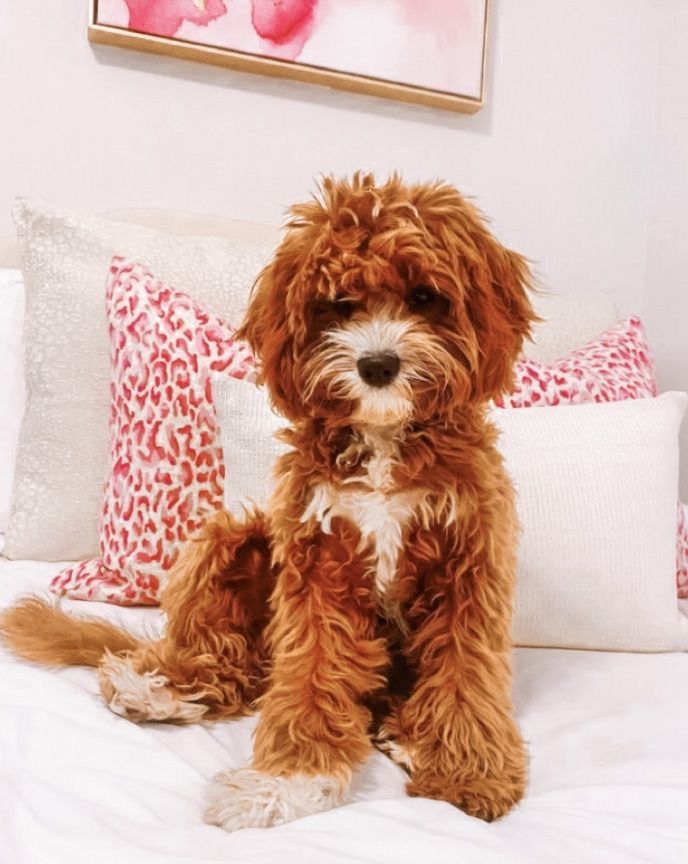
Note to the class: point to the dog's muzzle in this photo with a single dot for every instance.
(379, 370)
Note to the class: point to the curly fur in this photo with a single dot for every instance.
(374, 598)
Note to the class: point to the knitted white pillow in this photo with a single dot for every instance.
(248, 427)
(62, 459)
(596, 487)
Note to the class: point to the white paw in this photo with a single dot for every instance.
(145, 696)
(246, 798)
(399, 753)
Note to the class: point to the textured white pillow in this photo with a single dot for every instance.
(249, 446)
(12, 398)
(596, 486)
(63, 447)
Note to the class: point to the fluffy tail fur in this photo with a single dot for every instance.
(38, 631)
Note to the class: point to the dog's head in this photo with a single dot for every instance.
(387, 304)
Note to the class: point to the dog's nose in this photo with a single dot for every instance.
(379, 370)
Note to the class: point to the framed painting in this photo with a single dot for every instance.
(426, 51)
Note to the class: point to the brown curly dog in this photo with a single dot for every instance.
(372, 602)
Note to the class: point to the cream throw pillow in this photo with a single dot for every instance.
(248, 427)
(63, 446)
(596, 487)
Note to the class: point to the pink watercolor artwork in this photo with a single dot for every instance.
(434, 47)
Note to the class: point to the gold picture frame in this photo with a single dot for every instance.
(107, 34)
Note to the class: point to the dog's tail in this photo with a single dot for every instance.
(39, 631)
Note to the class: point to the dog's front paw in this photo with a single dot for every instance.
(388, 741)
(246, 798)
(144, 696)
(484, 798)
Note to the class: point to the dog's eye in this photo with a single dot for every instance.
(343, 308)
(340, 308)
(421, 296)
(424, 300)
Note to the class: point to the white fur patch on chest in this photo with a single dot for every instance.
(369, 502)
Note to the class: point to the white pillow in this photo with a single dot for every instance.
(596, 487)
(12, 396)
(62, 458)
(247, 434)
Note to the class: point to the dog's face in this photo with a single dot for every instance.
(387, 304)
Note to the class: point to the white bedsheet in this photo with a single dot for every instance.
(608, 739)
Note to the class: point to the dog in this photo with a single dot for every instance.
(371, 603)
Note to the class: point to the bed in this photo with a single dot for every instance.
(608, 772)
(606, 734)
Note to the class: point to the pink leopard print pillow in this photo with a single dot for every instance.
(616, 365)
(166, 467)
(682, 552)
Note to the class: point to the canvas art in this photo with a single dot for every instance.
(427, 51)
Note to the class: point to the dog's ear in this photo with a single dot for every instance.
(492, 302)
(268, 327)
(499, 307)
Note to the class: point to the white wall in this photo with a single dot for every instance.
(574, 156)
(665, 300)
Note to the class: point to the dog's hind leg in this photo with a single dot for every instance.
(211, 661)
